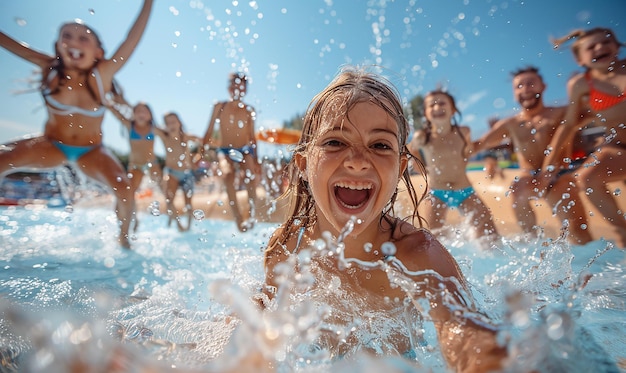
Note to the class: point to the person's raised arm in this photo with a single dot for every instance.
(24, 51)
(123, 53)
(563, 136)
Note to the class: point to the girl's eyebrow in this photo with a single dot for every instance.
(375, 130)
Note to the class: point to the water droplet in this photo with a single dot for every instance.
(617, 192)
(368, 247)
(388, 249)
(154, 208)
(198, 214)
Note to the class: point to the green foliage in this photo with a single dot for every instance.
(296, 122)
(415, 111)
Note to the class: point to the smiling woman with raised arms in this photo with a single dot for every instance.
(75, 82)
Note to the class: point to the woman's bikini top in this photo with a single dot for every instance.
(599, 100)
(134, 135)
(59, 108)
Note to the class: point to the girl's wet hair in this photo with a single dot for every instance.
(351, 86)
(578, 35)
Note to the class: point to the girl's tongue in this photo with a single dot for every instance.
(352, 198)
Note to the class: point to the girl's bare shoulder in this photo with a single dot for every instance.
(419, 249)
(409, 237)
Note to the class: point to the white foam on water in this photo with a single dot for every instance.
(69, 290)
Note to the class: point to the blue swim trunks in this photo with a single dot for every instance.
(452, 198)
(185, 178)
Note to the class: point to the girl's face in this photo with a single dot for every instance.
(142, 114)
(172, 124)
(353, 168)
(597, 51)
(438, 109)
(78, 47)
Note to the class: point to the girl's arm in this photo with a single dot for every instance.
(467, 136)
(159, 132)
(22, 50)
(118, 103)
(561, 141)
(251, 134)
(123, 53)
(468, 343)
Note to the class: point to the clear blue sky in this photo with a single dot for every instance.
(292, 48)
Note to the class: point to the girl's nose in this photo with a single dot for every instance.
(358, 159)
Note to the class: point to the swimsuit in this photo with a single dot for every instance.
(599, 100)
(73, 152)
(185, 178)
(233, 152)
(452, 198)
(59, 108)
(134, 135)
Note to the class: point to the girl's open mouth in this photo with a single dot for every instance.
(74, 53)
(353, 195)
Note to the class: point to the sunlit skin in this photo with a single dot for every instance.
(351, 165)
(80, 53)
(236, 129)
(530, 132)
(599, 54)
(446, 154)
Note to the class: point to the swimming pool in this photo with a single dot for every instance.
(68, 292)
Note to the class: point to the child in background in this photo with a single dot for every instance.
(238, 146)
(597, 97)
(74, 84)
(446, 148)
(141, 159)
(178, 168)
(347, 168)
(141, 136)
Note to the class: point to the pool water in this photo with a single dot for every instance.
(183, 299)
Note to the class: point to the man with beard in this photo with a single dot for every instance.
(530, 132)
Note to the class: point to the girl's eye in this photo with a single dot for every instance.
(381, 146)
(332, 143)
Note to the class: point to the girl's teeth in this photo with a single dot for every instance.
(74, 53)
